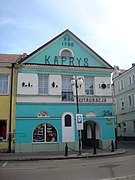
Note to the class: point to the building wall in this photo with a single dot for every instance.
(5, 109)
(30, 104)
(124, 94)
(38, 115)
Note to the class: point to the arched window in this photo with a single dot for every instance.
(68, 120)
(45, 133)
(66, 53)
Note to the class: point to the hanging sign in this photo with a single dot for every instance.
(79, 121)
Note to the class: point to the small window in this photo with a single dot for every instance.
(130, 80)
(3, 84)
(120, 85)
(67, 91)
(43, 84)
(130, 101)
(134, 126)
(3, 130)
(66, 53)
(89, 90)
(68, 120)
(122, 104)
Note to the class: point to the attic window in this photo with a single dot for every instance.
(66, 53)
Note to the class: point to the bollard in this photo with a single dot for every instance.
(112, 146)
(66, 150)
(116, 144)
(94, 149)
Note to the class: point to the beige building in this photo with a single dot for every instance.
(8, 83)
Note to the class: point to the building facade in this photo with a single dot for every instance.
(124, 101)
(8, 84)
(46, 98)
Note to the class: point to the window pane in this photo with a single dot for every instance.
(67, 91)
(130, 101)
(39, 134)
(89, 86)
(67, 120)
(45, 133)
(3, 130)
(66, 53)
(51, 133)
(3, 84)
(67, 96)
(43, 84)
(66, 83)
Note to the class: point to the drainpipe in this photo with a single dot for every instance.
(10, 115)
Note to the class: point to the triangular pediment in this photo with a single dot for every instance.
(66, 49)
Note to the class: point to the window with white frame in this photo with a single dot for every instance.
(42, 84)
(66, 53)
(89, 89)
(3, 84)
(133, 99)
(68, 122)
(45, 133)
(120, 85)
(130, 100)
(67, 91)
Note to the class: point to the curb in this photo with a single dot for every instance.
(60, 157)
(129, 177)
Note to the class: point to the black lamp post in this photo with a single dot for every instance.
(77, 82)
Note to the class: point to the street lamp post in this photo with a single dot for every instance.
(77, 82)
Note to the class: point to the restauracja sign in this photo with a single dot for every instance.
(66, 61)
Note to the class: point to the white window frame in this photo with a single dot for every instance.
(2, 82)
(44, 135)
(67, 90)
(131, 100)
(120, 84)
(89, 86)
(43, 85)
(71, 54)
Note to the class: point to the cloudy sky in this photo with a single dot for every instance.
(106, 26)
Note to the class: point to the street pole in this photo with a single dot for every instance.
(77, 106)
(10, 114)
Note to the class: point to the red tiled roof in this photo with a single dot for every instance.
(10, 58)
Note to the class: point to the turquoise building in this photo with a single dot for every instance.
(46, 97)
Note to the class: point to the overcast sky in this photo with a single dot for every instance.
(106, 26)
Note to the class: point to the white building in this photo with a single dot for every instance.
(124, 101)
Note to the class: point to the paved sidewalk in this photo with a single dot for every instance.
(57, 155)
